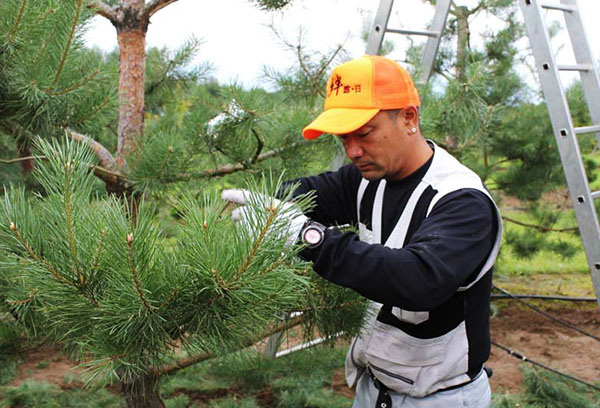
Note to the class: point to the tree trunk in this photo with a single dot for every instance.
(462, 56)
(462, 42)
(131, 27)
(143, 392)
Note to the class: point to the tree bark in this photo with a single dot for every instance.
(462, 55)
(143, 392)
(462, 42)
(132, 25)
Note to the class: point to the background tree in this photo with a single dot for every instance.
(480, 106)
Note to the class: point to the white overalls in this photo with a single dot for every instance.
(413, 368)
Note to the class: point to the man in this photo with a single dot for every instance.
(429, 234)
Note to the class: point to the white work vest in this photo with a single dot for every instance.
(406, 364)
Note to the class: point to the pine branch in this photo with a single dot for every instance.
(103, 9)
(259, 146)
(36, 257)
(70, 225)
(244, 267)
(134, 272)
(539, 227)
(24, 301)
(166, 161)
(153, 86)
(111, 177)
(482, 130)
(155, 5)
(313, 80)
(73, 87)
(103, 174)
(233, 168)
(218, 280)
(174, 293)
(92, 112)
(107, 175)
(20, 159)
(67, 50)
(106, 159)
(327, 63)
(97, 255)
(15, 28)
(189, 361)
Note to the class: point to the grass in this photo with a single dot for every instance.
(44, 395)
(302, 379)
(541, 261)
(296, 380)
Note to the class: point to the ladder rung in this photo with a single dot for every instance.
(580, 67)
(587, 129)
(414, 32)
(595, 195)
(560, 7)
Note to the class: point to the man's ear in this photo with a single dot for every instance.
(411, 116)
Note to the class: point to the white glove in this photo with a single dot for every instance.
(245, 216)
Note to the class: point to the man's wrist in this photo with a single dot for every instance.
(312, 234)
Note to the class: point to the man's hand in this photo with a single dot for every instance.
(244, 215)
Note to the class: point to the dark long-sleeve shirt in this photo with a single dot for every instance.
(441, 253)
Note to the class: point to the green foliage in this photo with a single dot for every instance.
(180, 401)
(271, 4)
(526, 243)
(118, 294)
(547, 390)
(168, 71)
(223, 128)
(12, 347)
(233, 402)
(44, 395)
(296, 380)
(533, 157)
(47, 79)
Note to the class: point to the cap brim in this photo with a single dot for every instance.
(338, 121)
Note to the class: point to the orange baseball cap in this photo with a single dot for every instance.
(357, 90)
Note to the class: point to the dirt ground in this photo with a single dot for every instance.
(517, 328)
(546, 342)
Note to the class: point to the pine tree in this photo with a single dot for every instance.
(48, 81)
(134, 306)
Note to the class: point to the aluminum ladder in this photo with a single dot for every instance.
(554, 95)
(564, 131)
(434, 34)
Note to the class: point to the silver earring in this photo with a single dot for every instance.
(414, 130)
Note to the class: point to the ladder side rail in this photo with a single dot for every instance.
(583, 55)
(380, 23)
(433, 43)
(564, 133)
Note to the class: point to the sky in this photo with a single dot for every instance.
(238, 41)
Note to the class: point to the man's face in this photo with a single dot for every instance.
(379, 149)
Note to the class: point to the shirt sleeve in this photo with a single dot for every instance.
(445, 252)
(335, 195)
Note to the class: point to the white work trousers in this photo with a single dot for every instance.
(476, 394)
